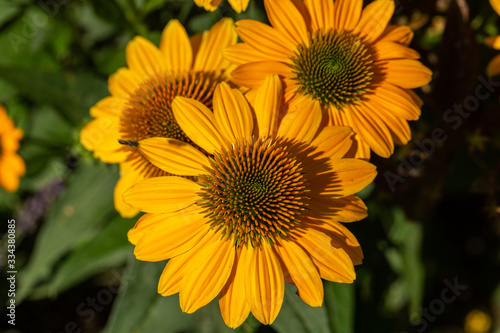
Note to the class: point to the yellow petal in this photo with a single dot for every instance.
(406, 73)
(397, 33)
(232, 298)
(265, 39)
(496, 5)
(287, 19)
(267, 106)
(264, 282)
(350, 177)
(129, 177)
(102, 135)
(253, 74)
(340, 237)
(174, 156)
(322, 14)
(209, 273)
(242, 53)
(493, 42)
(333, 141)
(178, 267)
(333, 263)
(239, 5)
(209, 5)
(374, 19)
(198, 122)
(302, 272)
(368, 124)
(175, 47)
(143, 57)
(346, 209)
(108, 106)
(396, 101)
(124, 82)
(232, 114)
(170, 235)
(347, 14)
(392, 50)
(301, 125)
(209, 56)
(162, 194)
(494, 66)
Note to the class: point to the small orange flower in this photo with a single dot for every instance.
(211, 5)
(12, 166)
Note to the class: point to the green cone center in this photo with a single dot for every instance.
(335, 69)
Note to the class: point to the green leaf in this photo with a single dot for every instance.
(71, 94)
(298, 317)
(86, 203)
(109, 249)
(340, 304)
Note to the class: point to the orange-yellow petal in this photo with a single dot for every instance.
(322, 14)
(391, 50)
(496, 5)
(129, 177)
(209, 56)
(287, 19)
(124, 82)
(208, 274)
(346, 209)
(493, 41)
(233, 116)
(143, 57)
(333, 263)
(242, 53)
(253, 74)
(232, 298)
(239, 5)
(406, 73)
(267, 103)
(347, 14)
(178, 267)
(398, 34)
(174, 156)
(170, 235)
(374, 19)
(175, 48)
(265, 39)
(198, 122)
(494, 66)
(301, 125)
(396, 101)
(301, 270)
(162, 194)
(264, 281)
(333, 141)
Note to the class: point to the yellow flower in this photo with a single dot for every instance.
(211, 5)
(265, 208)
(141, 96)
(11, 164)
(477, 321)
(494, 42)
(348, 59)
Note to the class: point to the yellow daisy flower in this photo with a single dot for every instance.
(348, 59)
(211, 5)
(11, 164)
(265, 208)
(141, 96)
(494, 42)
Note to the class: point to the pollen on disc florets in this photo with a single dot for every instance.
(336, 68)
(149, 111)
(254, 191)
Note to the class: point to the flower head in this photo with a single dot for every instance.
(265, 208)
(12, 166)
(494, 42)
(211, 5)
(140, 105)
(359, 69)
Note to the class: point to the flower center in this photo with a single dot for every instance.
(254, 191)
(335, 69)
(149, 112)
